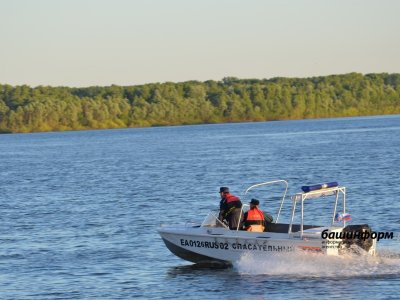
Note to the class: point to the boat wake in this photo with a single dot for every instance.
(386, 264)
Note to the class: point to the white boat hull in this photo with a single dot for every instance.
(202, 244)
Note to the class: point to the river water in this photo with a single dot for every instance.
(80, 210)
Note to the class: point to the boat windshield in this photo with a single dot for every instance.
(212, 220)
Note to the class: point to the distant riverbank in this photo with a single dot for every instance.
(45, 108)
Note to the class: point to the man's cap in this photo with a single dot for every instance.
(224, 189)
(254, 202)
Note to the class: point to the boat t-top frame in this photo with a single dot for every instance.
(310, 192)
(339, 192)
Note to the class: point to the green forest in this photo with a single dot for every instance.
(46, 108)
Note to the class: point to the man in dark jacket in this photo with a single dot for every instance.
(230, 208)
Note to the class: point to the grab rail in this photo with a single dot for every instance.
(272, 182)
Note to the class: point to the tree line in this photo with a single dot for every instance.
(45, 108)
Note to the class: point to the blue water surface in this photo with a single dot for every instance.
(79, 210)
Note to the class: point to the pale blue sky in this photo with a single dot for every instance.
(130, 42)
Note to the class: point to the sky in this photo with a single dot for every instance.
(80, 43)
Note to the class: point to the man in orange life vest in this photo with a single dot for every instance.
(254, 219)
(230, 208)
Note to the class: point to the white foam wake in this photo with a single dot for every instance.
(317, 265)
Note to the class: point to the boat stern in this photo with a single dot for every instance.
(353, 239)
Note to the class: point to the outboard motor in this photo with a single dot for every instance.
(357, 235)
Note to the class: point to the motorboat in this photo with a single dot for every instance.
(212, 241)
